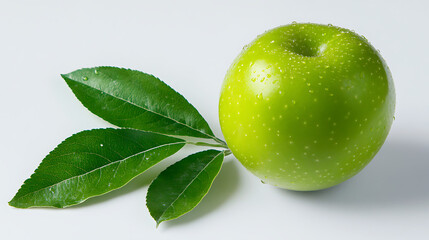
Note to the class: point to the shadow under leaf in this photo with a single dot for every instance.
(137, 183)
(224, 186)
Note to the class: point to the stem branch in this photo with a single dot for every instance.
(209, 144)
(219, 141)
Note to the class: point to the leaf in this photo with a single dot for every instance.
(179, 188)
(133, 99)
(92, 163)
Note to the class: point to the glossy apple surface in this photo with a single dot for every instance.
(307, 106)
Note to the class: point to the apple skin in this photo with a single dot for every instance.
(307, 106)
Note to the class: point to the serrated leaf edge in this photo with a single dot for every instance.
(169, 144)
(209, 135)
(160, 221)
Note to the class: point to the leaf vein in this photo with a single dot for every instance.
(81, 175)
(172, 203)
(146, 109)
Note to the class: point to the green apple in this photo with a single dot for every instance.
(307, 106)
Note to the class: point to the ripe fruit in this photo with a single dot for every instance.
(307, 106)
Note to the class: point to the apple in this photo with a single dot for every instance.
(307, 106)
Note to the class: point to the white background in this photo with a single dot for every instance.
(189, 45)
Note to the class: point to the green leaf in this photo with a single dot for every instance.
(179, 188)
(133, 99)
(92, 163)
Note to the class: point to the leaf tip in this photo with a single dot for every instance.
(64, 76)
(13, 203)
(159, 221)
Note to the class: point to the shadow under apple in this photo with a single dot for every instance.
(397, 176)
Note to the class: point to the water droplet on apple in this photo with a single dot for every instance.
(85, 78)
(95, 71)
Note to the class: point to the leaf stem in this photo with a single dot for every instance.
(208, 144)
(220, 141)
